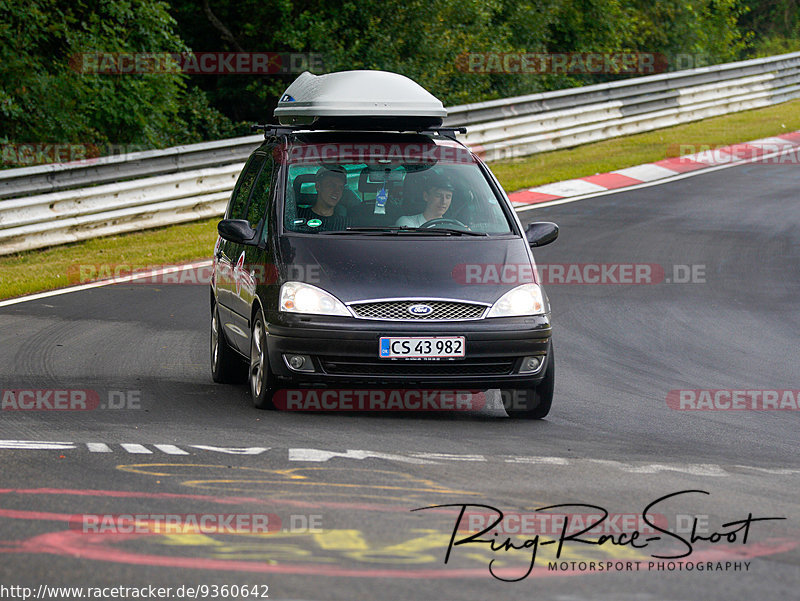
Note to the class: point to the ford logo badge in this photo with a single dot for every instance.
(420, 309)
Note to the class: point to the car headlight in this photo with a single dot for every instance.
(522, 300)
(297, 297)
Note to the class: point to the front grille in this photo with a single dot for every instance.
(397, 310)
(366, 367)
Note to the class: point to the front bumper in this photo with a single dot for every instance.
(345, 351)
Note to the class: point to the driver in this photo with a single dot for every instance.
(438, 194)
(330, 183)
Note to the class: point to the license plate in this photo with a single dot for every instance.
(415, 348)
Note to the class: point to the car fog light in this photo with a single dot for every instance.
(299, 362)
(531, 365)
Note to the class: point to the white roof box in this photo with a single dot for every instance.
(360, 100)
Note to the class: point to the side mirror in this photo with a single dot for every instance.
(540, 233)
(237, 231)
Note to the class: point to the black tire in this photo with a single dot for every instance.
(535, 402)
(260, 376)
(227, 367)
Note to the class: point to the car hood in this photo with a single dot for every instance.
(371, 267)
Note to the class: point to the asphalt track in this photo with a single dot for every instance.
(351, 479)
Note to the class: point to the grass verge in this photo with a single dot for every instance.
(59, 266)
(39, 270)
(627, 151)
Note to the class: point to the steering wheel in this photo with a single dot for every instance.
(442, 220)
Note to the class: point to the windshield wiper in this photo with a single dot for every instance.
(389, 229)
(375, 228)
(447, 230)
(394, 230)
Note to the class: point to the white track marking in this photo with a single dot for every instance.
(136, 449)
(449, 456)
(774, 141)
(98, 447)
(570, 187)
(778, 471)
(414, 457)
(232, 450)
(318, 456)
(26, 445)
(712, 157)
(538, 460)
(646, 173)
(694, 469)
(170, 449)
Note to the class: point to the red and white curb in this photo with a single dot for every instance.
(735, 154)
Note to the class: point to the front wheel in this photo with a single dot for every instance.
(262, 380)
(533, 403)
(226, 366)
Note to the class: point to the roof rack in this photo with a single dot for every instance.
(447, 132)
(273, 130)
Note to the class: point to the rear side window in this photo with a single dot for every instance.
(237, 209)
(261, 191)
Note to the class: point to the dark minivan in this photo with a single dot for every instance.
(365, 247)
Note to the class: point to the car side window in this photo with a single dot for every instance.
(238, 205)
(261, 190)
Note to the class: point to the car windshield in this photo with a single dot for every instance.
(433, 190)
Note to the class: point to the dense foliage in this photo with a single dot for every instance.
(424, 38)
(45, 98)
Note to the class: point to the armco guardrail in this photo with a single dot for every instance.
(54, 204)
(151, 189)
(64, 176)
(526, 125)
(59, 217)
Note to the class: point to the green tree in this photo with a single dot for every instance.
(690, 33)
(44, 96)
(428, 40)
(772, 26)
(43, 99)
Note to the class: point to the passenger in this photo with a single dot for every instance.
(438, 194)
(330, 183)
